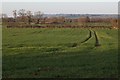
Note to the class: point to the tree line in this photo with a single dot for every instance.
(28, 18)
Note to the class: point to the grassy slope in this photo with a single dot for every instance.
(49, 53)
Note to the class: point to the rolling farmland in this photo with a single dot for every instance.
(60, 52)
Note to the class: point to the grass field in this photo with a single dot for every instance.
(58, 52)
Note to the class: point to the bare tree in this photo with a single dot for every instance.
(22, 13)
(29, 15)
(39, 16)
(15, 14)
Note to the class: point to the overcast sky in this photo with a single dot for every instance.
(59, 0)
(63, 7)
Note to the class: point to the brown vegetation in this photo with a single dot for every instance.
(26, 19)
(114, 23)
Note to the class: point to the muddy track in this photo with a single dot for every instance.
(97, 43)
(90, 35)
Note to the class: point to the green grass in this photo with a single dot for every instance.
(46, 53)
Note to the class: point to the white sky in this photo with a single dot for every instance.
(62, 6)
(59, 0)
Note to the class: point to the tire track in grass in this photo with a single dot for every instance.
(79, 43)
(90, 35)
(97, 43)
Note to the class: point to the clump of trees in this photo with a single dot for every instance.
(22, 17)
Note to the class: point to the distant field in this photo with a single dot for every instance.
(59, 52)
